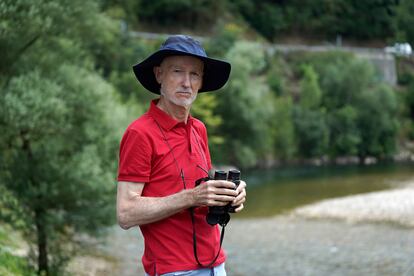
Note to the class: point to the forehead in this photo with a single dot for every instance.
(183, 61)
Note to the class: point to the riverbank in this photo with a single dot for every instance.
(368, 234)
(390, 206)
(290, 245)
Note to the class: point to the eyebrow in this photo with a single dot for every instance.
(198, 70)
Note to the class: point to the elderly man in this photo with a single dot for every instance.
(163, 153)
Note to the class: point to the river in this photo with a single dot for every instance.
(272, 192)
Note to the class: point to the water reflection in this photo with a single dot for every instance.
(272, 192)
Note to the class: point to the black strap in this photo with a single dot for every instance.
(223, 226)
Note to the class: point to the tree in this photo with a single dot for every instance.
(404, 21)
(311, 132)
(377, 122)
(246, 106)
(311, 93)
(224, 39)
(203, 109)
(266, 17)
(60, 124)
(351, 93)
(181, 13)
(284, 129)
(310, 122)
(345, 136)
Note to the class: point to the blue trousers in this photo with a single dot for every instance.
(214, 271)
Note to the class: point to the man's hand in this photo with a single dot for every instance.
(240, 198)
(214, 193)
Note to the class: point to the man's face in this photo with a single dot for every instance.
(180, 77)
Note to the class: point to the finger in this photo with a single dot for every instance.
(240, 196)
(222, 198)
(241, 186)
(223, 191)
(238, 201)
(239, 208)
(222, 184)
(219, 201)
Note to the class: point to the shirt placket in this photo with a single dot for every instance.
(189, 135)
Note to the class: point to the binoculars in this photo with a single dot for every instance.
(220, 214)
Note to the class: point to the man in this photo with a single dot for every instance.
(163, 153)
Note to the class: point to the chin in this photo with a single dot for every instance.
(184, 102)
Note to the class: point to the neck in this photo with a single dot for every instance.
(179, 113)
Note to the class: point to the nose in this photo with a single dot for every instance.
(186, 81)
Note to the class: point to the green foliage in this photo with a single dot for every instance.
(284, 129)
(333, 110)
(203, 109)
(186, 13)
(61, 122)
(310, 122)
(352, 99)
(56, 25)
(344, 132)
(245, 126)
(61, 147)
(13, 265)
(404, 21)
(225, 37)
(350, 18)
(11, 210)
(311, 93)
(277, 75)
(311, 131)
(10, 263)
(121, 76)
(266, 17)
(377, 122)
(409, 100)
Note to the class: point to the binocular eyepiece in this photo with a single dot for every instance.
(220, 214)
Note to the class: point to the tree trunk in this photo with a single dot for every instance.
(43, 267)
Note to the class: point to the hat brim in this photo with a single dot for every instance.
(216, 72)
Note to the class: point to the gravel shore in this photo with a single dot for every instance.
(392, 206)
(297, 246)
(369, 234)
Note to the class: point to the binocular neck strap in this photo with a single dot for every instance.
(223, 226)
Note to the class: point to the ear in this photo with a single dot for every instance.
(158, 73)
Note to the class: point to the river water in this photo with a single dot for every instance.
(276, 191)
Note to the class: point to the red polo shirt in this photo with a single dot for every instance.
(146, 157)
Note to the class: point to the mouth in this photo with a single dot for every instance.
(185, 94)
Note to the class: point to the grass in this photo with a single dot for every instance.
(10, 264)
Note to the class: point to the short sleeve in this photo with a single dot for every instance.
(134, 157)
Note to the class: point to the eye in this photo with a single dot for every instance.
(195, 75)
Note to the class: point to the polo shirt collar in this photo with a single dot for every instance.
(163, 119)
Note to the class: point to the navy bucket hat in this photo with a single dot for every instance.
(216, 72)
